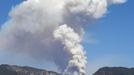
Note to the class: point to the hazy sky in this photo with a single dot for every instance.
(108, 42)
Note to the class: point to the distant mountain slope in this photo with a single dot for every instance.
(115, 71)
(17, 70)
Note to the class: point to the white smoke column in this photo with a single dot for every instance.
(71, 41)
(52, 30)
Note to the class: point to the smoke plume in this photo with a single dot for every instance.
(52, 30)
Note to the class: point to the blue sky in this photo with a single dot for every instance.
(113, 35)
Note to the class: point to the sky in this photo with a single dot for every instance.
(108, 42)
(114, 34)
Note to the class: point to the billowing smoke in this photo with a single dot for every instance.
(52, 30)
(71, 42)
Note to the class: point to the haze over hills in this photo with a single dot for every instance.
(115, 71)
(18, 70)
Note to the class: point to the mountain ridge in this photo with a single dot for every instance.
(115, 71)
(6, 69)
(23, 70)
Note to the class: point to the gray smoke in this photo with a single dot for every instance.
(52, 30)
